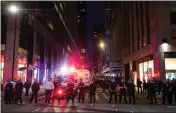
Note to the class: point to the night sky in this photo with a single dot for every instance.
(95, 15)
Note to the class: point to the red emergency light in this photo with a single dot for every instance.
(60, 92)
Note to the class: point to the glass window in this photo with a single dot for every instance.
(145, 71)
(22, 72)
(170, 63)
(2, 68)
(170, 75)
(141, 71)
(150, 69)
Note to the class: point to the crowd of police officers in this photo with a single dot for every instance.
(13, 92)
(149, 88)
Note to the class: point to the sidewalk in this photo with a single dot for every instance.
(41, 92)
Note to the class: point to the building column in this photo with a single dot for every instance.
(11, 53)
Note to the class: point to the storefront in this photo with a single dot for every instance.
(22, 68)
(170, 68)
(2, 67)
(146, 68)
(36, 70)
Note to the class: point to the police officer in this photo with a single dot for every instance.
(70, 91)
(8, 92)
(147, 86)
(144, 87)
(174, 88)
(92, 91)
(152, 91)
(57, 84)
(105, 84)
(81, 88)
(139, 83)
(165, 90)
(35, 90)
(112, 89)
(48, 90)
(131, 91)
(27, 86)
(18, 91)
(122, 91)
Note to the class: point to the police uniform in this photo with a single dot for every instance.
(112, 89)
(56, 86)
(35, 90)
(27, 86)
(122, 92)
(8, 93)
(165, 91)
(174, 89)
(81, 91)
(18, 91)
(70, 92)
(92, 92)
(152, 91)
(48, 90)
(131, 91)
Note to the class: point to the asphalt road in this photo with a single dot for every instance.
(101, 105)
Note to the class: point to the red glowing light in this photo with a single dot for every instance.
(60, 91)
(2, 58)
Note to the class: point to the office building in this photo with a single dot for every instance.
(145, 32)
(34, 42)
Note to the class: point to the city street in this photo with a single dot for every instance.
(100, 106)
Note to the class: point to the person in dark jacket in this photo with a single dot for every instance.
(70, 91)
(8, 92)
(165, 91)
(18, 91)
(131, 91)
(27, 86)
(152, 91)
(81, 88)
(122, 91)
(113, 91)
(92, 91)
(144, 87)
(148, 81)
(174, 88)
(35, 90)
(160, 84)
(57, 84)
(139, 85)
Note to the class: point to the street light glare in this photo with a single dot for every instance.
(102, 45)
(13, 9)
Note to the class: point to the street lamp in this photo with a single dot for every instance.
(14, 9)
(102, 45)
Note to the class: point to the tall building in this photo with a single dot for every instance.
(82, 9)
(34, 42)
(147, 38)
(98, 52)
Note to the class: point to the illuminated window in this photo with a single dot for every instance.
(146, 70)
(170, 63)
(2, 68)
(22, 64)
